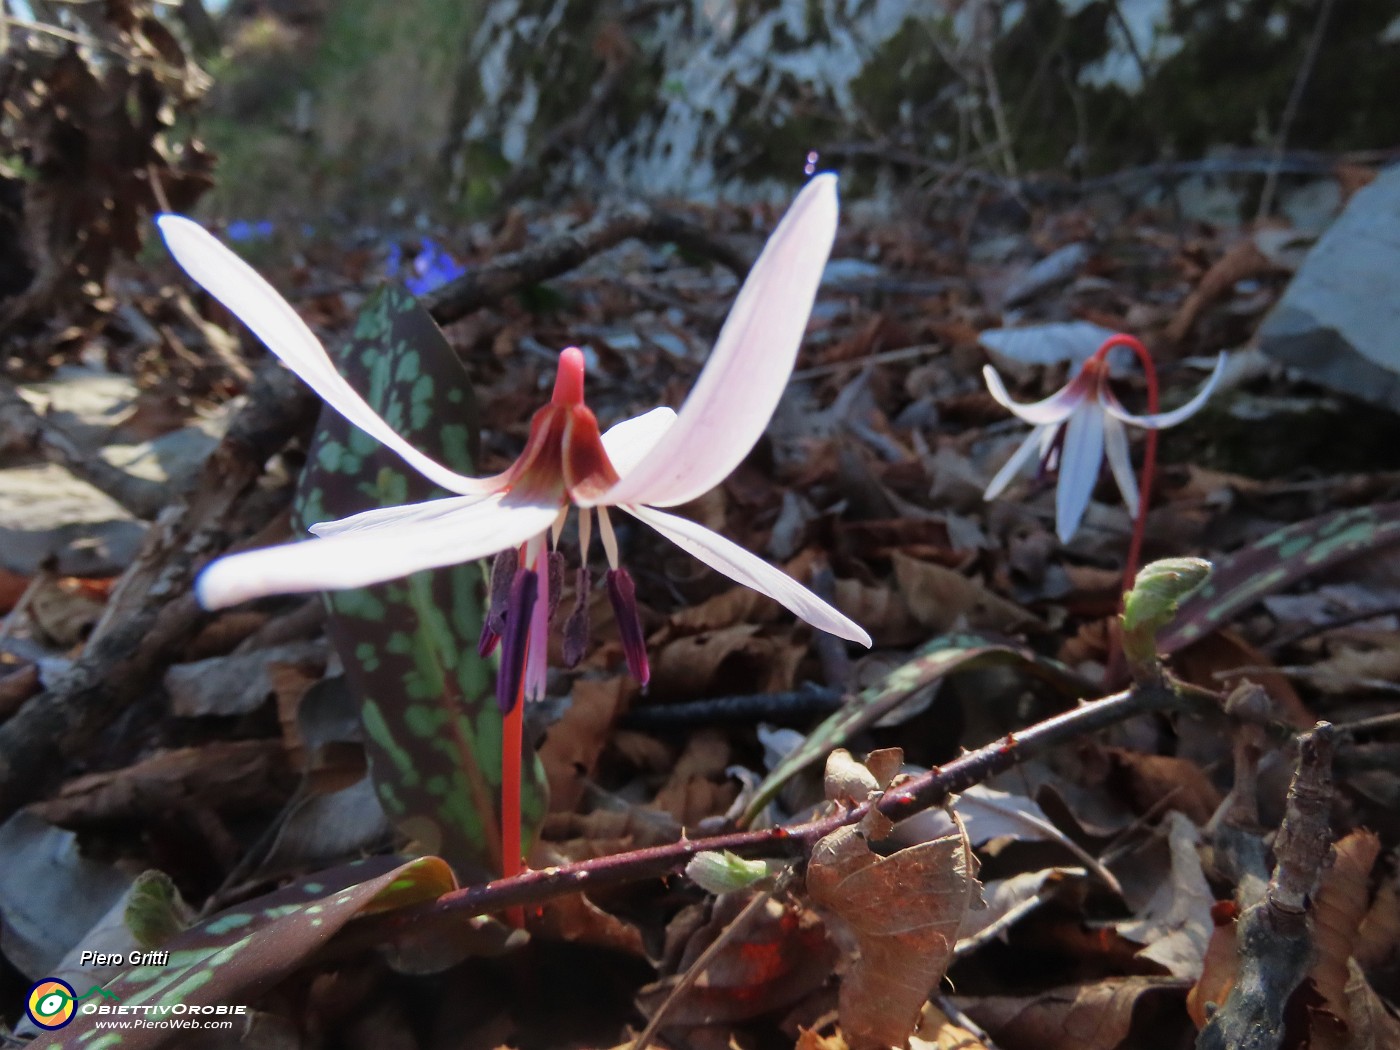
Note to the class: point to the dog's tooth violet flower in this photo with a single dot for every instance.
(1076, 428)
(658, 459)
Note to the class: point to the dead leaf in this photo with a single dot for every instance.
(898, 917)
(739, 659)
(1177, 784)
(778, 957)
(570, 752)
(937, 1032)
(699, 786)
(1101, 1015)
(1379, 937)
(1220, 967)
(942, 599)
(578, 920)
(1339, 905)
(1176, 923)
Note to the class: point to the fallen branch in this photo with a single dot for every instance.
(1275, 943)
(485, 285)
(924, 792)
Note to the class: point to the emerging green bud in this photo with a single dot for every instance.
(1159, 588)
(724, 872)
(155, 911)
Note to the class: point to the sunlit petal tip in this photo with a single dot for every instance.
(733, 399)
(631, 441)
(225, 276)
(727, 557)
(1162, 420)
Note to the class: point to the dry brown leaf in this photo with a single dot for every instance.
(1241, 261)
(236, 776)
(1204, 662)
(898, 917)
(1379, 937)
(811, 1039)
(578, 920)
(699, 787)
(779, 956)
(1097, 1016)
(1373, 1026)
(937, 1032)
(1349, 669)
(738, 605)
(733, 660)
(1175, 925)
(882, 611)
(1338, 907)
(1220, 967)
(941, 599)
(1166, 781)
(570, 751)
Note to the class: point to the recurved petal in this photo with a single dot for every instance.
(631, 441)
(1054, 409)
(739, 565)
(1079, 468)
(1013, 465)
(256, 303)
(374, 555)
(1160, 420)
(1115, 446)
(742, 381)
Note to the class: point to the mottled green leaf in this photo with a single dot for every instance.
(432, 728)
(1276, 561)
(942, 656)
(238, 955)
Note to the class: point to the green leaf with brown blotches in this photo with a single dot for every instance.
(942, 656)
(234, 957)
(432, 728)
(1276, 561)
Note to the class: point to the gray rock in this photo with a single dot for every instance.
(46, 512)
(1338, 321)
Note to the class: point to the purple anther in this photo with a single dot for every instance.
(502, 577)
(623, 596)
(513, 638)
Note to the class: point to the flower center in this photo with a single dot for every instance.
(564, 455)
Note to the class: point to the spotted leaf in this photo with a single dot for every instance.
(232, 958)
(944, 655)
(432, 727)
(1276, 561)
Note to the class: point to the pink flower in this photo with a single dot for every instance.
(659, 459)
(1074, 429)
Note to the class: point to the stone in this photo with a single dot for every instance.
(45, 512)
(1337, 320)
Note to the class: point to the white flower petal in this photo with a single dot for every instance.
(256, 303)
(732, 401)
(1054, 409)
(360, 558)
(385, 517)
(1115, 445)
(1161, 420)
(739, 565)
(629, 442)
(1079, 468)
(1028, 448)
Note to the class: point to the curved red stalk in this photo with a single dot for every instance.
(1147, 475)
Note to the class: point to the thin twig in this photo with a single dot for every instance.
(697, 969)
(1290, 109)
(923, 792)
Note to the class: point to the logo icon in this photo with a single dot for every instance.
(52, 1002)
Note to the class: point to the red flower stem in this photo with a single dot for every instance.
(1148, 474)
(512, 745)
